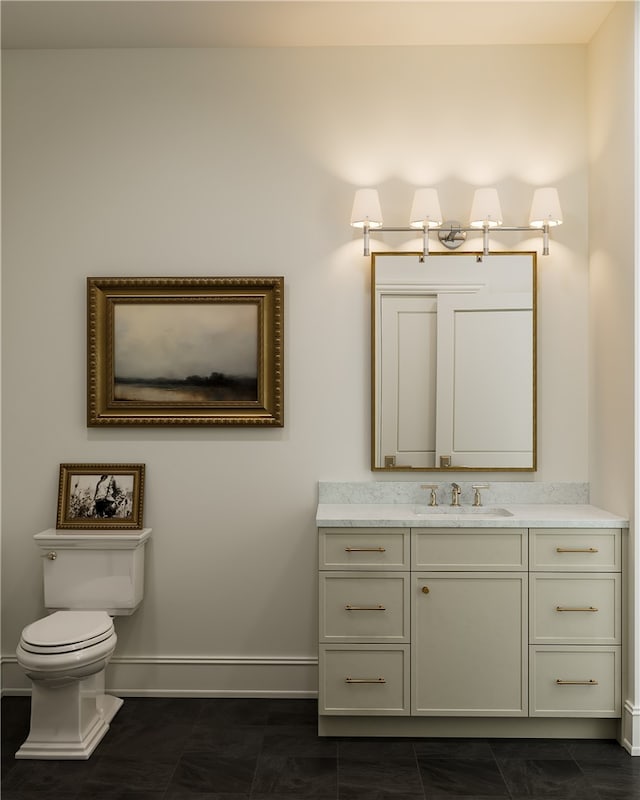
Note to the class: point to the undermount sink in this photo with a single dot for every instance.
(486, 512)
(460, 511)
(437, 511)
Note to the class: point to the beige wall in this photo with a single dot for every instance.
(611, 264)
(613, 232)
(244, 162)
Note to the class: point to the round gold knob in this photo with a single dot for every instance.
(52, 556)
(425, 590)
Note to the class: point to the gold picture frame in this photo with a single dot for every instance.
(100, 496)
(185, 351)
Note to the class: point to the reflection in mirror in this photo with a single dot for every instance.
(453, 361)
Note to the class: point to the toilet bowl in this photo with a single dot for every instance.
(65, 655)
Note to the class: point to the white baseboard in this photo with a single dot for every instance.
(631, 728)
(194, 676)
(254, 676)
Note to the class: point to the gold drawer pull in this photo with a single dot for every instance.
(577, 550)
(364, 680)
(576, 683)
(365, 550)
(563, 608)
(364, 608)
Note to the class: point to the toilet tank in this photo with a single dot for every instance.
(93, 571)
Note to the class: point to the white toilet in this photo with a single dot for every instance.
(88, 578)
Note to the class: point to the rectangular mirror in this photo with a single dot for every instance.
(453, 361)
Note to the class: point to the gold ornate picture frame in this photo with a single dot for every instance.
(100, 496)
(185, 351)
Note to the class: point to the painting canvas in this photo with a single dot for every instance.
(205, 353)
(194, 351)
(100, 496)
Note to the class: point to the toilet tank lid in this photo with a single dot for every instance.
(67, 627)
(92, 540)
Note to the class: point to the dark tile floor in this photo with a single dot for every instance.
(245, 749)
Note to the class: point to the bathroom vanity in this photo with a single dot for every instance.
(493, 620)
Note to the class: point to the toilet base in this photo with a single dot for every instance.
(68, 722)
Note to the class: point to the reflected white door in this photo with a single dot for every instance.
(485, 386)
(407, 380)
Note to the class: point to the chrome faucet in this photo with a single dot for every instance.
(455, 494)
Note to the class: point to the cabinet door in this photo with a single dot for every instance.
(469, 653)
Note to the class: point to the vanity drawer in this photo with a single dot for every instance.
(469, 549)
(572, 608)
(364, 548)
(364, 607)
(580, 549)
(364, 680)
(574, 681)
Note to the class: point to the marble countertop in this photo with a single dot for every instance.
(403, 515)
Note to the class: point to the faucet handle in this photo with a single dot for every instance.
(477, 499)
(433, 501)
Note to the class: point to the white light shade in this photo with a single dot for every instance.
(545, 208)
(485, 209)
(366, 209)
(425, 211)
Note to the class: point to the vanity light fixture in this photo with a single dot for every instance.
(366, 213)
(486, 214)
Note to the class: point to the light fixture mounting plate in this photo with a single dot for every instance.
(451, 234)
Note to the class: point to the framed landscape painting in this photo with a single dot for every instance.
(185, 351)
(100, 496)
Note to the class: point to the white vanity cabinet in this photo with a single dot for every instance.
(575, 622)
(469, 622)
(482, 630)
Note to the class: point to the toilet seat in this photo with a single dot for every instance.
(67, 632)
(67, 645)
